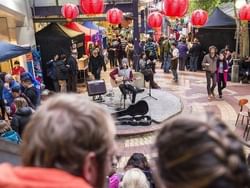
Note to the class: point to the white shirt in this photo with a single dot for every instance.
(175, 53)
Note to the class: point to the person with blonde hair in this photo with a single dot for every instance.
(134, 178)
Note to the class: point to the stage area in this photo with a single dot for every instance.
(166, 105)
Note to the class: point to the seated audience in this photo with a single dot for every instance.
(8, 134)
(196, 154)
(68, 143)
(21, 115)
(146, 70)
(134, 178)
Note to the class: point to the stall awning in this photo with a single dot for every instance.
(91, 25)
(80, 28)
(8, 51)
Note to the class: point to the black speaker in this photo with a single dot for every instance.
(96, 87)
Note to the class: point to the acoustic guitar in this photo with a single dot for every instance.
(118, 80)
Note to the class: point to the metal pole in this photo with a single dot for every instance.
(142, 21)
(136, 34)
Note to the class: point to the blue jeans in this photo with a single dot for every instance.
(167, 63)
(193, 63)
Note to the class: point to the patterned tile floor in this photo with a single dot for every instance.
(191, 88)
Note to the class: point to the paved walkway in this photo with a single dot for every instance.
(191, 88)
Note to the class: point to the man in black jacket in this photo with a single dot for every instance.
(30, 91)
(194, 52)
(62, 73)
(72, 76)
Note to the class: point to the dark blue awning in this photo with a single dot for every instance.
(8, 51)
(218, 18)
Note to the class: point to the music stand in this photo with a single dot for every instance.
(149, 95)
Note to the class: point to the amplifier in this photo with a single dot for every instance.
(96, 87)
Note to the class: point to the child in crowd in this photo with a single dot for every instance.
(221, 71)
(7, 133)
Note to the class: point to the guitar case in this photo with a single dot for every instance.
(140, 108)
(134, 115)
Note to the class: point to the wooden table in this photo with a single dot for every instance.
(83, 65)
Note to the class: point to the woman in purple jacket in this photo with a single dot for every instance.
(221, 72)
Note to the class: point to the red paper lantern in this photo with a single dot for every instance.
(175, 8)
(244, 13)
(92, 6)
(114, 16)
(70, 11)
(199, 18)
(155, 19)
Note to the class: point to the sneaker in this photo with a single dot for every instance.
(209, 98)
(213, 95)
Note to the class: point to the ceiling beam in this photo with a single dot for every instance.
(56, 10)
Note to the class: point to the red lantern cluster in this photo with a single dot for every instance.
(175, 8)
(92, 6)
(244, 13)
(155, 19)
(199, 18)
(114, 16)
(70, 11)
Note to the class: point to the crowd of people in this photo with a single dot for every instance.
(70, 142)
(62, 72)
(20, 95)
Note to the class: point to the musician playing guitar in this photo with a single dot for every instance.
(123, 77)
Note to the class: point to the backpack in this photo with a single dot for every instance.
(11, 136)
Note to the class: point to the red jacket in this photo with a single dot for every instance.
(31, 177)
(18, 70)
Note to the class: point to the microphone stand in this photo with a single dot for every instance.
(124, 96)
(149, 95)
